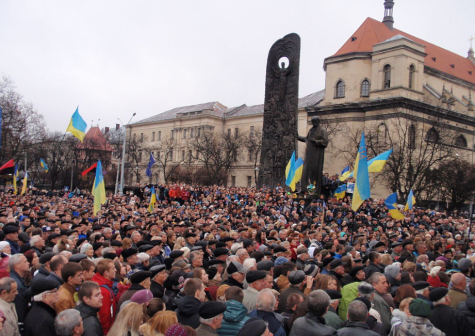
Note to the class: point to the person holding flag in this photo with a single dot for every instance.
(411, 201)
(98, 189)
(15, 176)
(362, 189)
(153, 199)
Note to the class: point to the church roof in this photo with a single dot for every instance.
(372, 32)
(94, 139)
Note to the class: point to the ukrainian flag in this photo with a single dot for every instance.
(153, 200)
(15, 176)
(345, 173)
(411, 201)
(362, 190)
(99, 189)
(290, 170)
(77, 126)
(391, 204)
(25, 183)
(340, 191)
(376, 164)
(298, 168)
(44, 165)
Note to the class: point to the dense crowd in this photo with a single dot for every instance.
(230, 262)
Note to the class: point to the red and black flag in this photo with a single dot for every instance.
(7, 168)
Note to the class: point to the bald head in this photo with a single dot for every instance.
(458, 281)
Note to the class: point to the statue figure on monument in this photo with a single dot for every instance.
(316, 141)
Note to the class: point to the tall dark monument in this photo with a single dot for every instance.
(279, 138)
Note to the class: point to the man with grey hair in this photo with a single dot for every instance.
(19, 268)
(45, 296)
(313, 323)
(37, 244)
(68, 323)
(211, 316)
(381, 287)
(265, 310)
(8, 291)
(356, 325)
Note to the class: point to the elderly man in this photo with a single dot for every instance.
(236, 274)
(8, 291)
(69, 323)
(381, 286)
(256, 281)
(45, 296)
(37, 244)
(356, 325)
(19, 267)
(90, 299)
(57, 263)
(211, 316)
(449, 320)
(331, 317)
(159, 276)
(457, 294)
(313, 322)
(265, 310)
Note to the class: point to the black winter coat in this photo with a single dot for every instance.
(40, 320)
(468, 309)
(187, 312)
(92, 325)
(450, 321)
(356, 329)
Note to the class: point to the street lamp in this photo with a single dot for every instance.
(121, 190)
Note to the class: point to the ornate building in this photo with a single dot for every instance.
(382, 80)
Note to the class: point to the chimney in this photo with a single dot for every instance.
(106, 130)
(117, 127)
(388, 14)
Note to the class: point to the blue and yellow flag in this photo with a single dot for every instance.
(77, 126)
(362, 190)
(340, 192)
(290, 170)
(411, 201)
(345, 173)
(153, 199)
(99, 189)
(149, 166)
(25, 183)
(391, 204)
(15, 176)
(376, 164)
(298, 169)
(44, 165)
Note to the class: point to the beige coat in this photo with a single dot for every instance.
(10, 325)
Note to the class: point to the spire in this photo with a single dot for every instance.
(471, 55)
(388, 14)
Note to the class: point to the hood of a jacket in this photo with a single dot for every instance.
(188, 305)
(235, 311)
(87, 311)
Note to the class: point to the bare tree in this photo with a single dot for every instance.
(137, 150)
(167, 159)
(253, 142)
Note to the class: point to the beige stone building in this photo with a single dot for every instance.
(382, 80)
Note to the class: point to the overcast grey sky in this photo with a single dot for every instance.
(117, 57)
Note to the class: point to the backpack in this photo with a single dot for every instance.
(114, 290)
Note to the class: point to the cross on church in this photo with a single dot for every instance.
(471, 40)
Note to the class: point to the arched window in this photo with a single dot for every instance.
(387, 76)
(432, 135)
(340, 89)
(460, 141)
(411, 143)
(383, 134)
(412, 71)
(365, 87)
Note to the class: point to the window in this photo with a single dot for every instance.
(387, 76)
(340, 89)
(190, 155)
(229, 132)
(141, 136)
(412, 137)
(173, 134)
(412, 70)
(252, 131)
(251, 153)
(135, 136)
(158, 156)
(153, 136)
(365, 88)
(159, 135)
(199, 132)
(139, 159)
(182, 155)
(383, 134)
(191, 132)
(460, 141)
(249, 181)
(184, 134)
(233, 181)
(171, 154)
(432, 135)
(236, 132)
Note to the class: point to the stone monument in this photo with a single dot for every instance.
(279, 136)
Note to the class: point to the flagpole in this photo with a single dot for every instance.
(117, 178)
(121, 191)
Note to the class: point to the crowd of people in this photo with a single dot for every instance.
(230, 262)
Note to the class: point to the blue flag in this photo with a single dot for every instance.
(150, 164)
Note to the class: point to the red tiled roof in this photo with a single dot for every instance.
(372, 32)
(94, 139)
